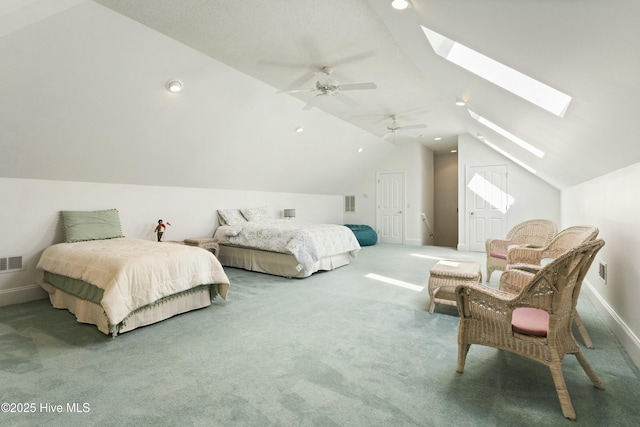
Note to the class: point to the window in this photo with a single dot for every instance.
(530, 148)
(499, 74)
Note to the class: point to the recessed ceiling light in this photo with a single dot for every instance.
(400, 4)
(454, 151)
(437, 138)
(174, 86)
(299, 129)
(460, 102)
(360, 150)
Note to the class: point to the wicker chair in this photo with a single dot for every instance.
(536, 322)
(567, 239)
(533, 233)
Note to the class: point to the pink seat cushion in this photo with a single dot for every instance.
(498, 255)
(530, 321)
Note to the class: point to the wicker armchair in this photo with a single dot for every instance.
(533, 233)
(530, 259)
(536, 322)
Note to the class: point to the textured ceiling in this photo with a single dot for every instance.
(586, 48)
(284, 42)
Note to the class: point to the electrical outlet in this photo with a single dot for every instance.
(602, 271)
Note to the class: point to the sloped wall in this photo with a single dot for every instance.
(534, 198)
(83, 98)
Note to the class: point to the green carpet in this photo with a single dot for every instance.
(335, 349)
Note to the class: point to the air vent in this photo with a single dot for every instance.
(11, 263)
(349, 204)
(602, 271)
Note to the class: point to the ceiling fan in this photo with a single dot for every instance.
(395, 128)
(327, 87)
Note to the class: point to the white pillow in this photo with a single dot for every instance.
(230, 217)
(255, 214)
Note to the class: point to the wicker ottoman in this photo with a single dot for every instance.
(207, 243)
(446, 275)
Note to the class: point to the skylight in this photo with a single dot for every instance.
(507, 155)
(530, 148)
(507, 78)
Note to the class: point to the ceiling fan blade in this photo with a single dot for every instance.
(347, 101)
(413, 127)
(357, 86)
(312, 102)
(297, 91)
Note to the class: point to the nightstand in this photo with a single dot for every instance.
(207, 243)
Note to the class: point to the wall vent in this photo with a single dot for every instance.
(11, 263)
(602, 271)
(349, 204)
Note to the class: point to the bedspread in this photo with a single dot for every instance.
(132, 272)
(306, 242)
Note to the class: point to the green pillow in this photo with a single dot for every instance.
(81, 226)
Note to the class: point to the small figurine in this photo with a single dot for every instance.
(160, 229)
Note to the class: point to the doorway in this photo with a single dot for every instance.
(390, 218)
(487, 202)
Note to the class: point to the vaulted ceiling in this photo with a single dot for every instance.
(585, 48)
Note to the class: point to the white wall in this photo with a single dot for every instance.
(83, 98)
(534, 198)
(416, 162)
(611, 203)
(31, 208)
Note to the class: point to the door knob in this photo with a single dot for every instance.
(472, 213)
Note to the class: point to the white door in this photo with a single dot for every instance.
(487, 204)
(390, 207)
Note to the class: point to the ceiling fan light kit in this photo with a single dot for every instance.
(326, 87)
(395, 128)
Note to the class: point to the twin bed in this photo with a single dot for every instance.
(119, 283)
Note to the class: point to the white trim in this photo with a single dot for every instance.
(622, 332)
(413, 242)
(21, 294)
(404, 201)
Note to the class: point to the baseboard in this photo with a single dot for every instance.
(21, 294)
(627, 338)
(413, 242)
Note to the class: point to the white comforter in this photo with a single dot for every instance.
(308, 243)
(133, 272)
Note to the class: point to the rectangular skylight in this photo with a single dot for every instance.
(530, 148)
(507, 155)
(507, 78)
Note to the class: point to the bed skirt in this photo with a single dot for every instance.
(275, 263)
(92, 313)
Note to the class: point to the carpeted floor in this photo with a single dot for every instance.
(335, 349)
